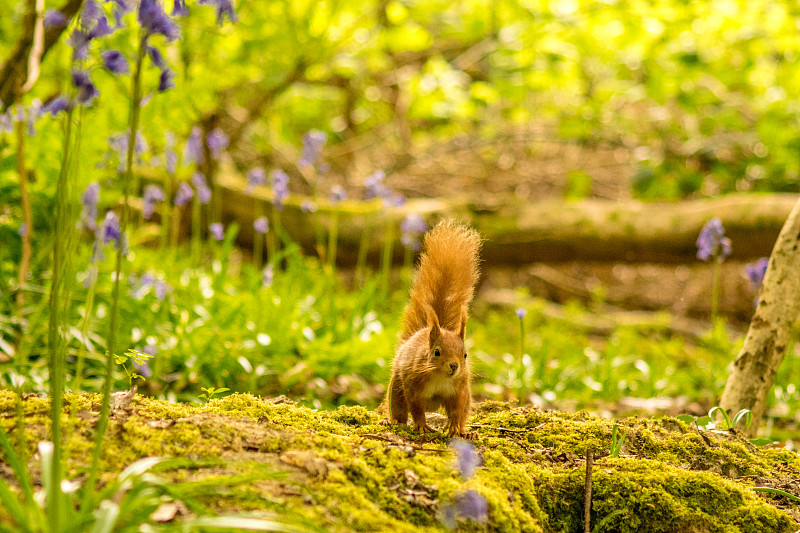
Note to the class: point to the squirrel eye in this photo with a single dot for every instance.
(436, 352)
(465, 355)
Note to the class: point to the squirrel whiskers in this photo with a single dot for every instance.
(430, 369)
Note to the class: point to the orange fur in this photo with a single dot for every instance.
(434, 321)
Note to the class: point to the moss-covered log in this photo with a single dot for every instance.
(343, 471)
(586, 230)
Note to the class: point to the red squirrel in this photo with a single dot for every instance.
(430, 369)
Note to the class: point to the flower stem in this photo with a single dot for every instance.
(127, 178)
(333, 237)
(715, 291)
(25, 260)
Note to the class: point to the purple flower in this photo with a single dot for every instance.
(184, 194)
(171, 158)
(6, 122)
(79, 41)
(374, 185)
(521, 313)
(150, 349)
(217, 141)
(120, 8)
(280, 187)
(255, 177)
(153, 194)
(54, 18)
(472, 505)
(115, 62)
(224, 7)
(156, 57)
(165, 80)
(179, 9)
(56, 105)
(755, 272)
(90, 13)
(261, 225)
(217, 230)
(193, 152)
(313, 141)
(155, 22)
(87, 92)
(267, 275)
(89, 199)
(23, 229)
(337, 194)
(467, 459)
(308, 206)
(712, 242)
(412, 226)
(34, 112)
(200, 184)
(119, 143)
(101, 29)
(110, 230)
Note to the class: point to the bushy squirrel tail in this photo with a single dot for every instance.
(446, 278)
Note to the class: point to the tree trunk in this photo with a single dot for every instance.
(765, 345)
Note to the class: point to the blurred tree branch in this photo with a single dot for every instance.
(15, 69)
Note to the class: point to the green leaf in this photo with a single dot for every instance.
(687, 419)
(744, 413)
(761, 441)
(777, 491)
(703, 421)
(716, 409)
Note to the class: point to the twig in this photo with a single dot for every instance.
(587, 499)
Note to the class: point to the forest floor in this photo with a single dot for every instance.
(341, 470)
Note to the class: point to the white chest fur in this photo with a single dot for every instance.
(439, 386)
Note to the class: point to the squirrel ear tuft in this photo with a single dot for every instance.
(436, 329)
(463, 329)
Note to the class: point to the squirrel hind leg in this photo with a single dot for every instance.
(397, 405)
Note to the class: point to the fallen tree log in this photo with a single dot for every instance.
(586, 230)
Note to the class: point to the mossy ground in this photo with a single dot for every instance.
(342, 471)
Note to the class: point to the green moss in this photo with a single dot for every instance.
(670, 478)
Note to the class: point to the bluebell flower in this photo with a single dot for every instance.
(313, 141)
(201, 186)
(521, 313)
(101, 29)
(119, 143)
(56, 105)
(467, 459)
(257, 176)
(193, 152)
(115, 62)
(152, 18)
(165, 80)
(79, 41)
(150, 349)
(224, 8)
(267, 275)
(90, 13)
(54, 18)
(217, 230)
(6, 122)
(23, 230)
(374, 185)
(89, 199)
(261, 225)
(184, 194)
(308, 206)
(153, 194)
(337, 194)
(280, 187)
(156, 58)
(412, 227)
(170, 157)
(217, 141)
(34, 112)
(755, 272)
(87, 92)
(712, 241)
(110, 229)
(473, 506)
(179, 8)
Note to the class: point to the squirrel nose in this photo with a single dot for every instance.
(453, 367)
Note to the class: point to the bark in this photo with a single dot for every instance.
(754, 370)
(14, 72)
(549, 232)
